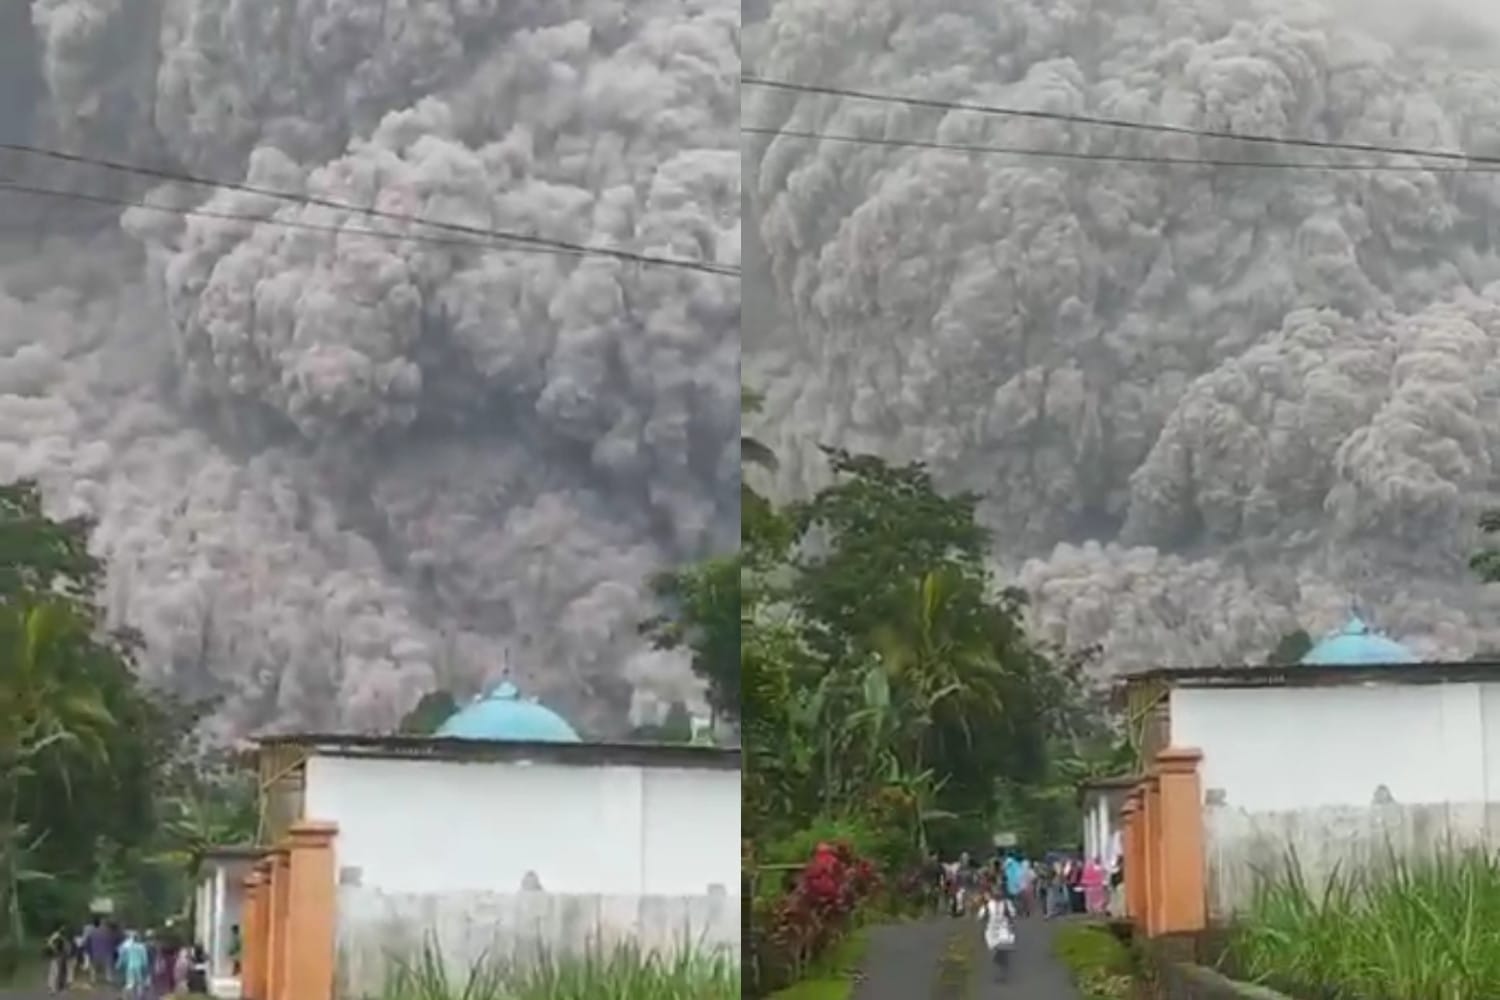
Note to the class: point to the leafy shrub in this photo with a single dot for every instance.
(889, 849)
(793, 929)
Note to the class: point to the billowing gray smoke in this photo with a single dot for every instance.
(331, 470)
(1205, 405)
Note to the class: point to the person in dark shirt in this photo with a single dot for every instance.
(59, 951)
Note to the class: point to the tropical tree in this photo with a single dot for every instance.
(429, 713)
(47, 705)
(1290, 649)
(1486, 562)
(75, 727)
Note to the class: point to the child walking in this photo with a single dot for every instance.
(999, 916)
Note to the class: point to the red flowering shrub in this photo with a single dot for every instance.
(821, 905)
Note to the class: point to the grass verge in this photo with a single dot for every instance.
(1101, 966)
(834, 975)
(955, 975)
(1402, 929)
(622, 973)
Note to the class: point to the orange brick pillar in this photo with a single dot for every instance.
(1151, 853)
(312, 914)
(1184, 905)
(277, 936)
(1130, 837)
(255, 942)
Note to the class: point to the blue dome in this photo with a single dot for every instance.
(504, 715)
(1355, 645)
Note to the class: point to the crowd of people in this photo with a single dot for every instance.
(1058, 884)
(1010, 886)
(146, 965)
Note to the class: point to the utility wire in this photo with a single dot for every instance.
(1124, 158)
(1058, 116)
(205, 213)
(520, 239)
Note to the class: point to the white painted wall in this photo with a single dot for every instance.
(445, 847)
(448, 826)
(1300, 770)
(1292, 748)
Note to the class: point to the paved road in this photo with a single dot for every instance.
(1035, 973)
(901, 962)
(904, 961)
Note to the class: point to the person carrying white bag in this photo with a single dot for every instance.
(999, 917)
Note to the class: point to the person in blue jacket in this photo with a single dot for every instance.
(135, 967)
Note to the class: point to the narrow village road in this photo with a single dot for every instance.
(901, 962)
(906, 962)
(1035, 972)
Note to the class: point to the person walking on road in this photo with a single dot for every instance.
(99, 947)
(1094, 882)
(998, 915)
(59, 952)
(134, 967)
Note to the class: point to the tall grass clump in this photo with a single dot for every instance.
(1401, 929)
(624, 972)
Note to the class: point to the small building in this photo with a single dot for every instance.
(218, 910)
(502, 837)
(1356, 751)
(1102, 801)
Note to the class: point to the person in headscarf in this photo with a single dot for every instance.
(1093, 881)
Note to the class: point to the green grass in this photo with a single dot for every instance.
(832, 975)
(622, 973)
(1100, 964)
(1424, 929)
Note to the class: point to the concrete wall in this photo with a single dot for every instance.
(499, 859)
(1338, 775)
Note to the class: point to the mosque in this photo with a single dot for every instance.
(1355, 645)
(504, 836)
(504, 715)
(1358, 750)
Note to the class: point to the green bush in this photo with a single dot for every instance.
(1099, 962)
(1403, 929)
(891, 850)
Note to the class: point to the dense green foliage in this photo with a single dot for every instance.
(1290, 649)
(887, 677)
(888, 693)
(97, 797)
(1421, 929)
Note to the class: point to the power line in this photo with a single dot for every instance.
(1126, 158)
(1095, 120)
(521, 239)
(205, 213)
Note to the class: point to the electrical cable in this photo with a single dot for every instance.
(1122, 158)
(1120, 123)
(520, 239)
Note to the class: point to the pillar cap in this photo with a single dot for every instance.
(1178, 760)
(309, 833)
